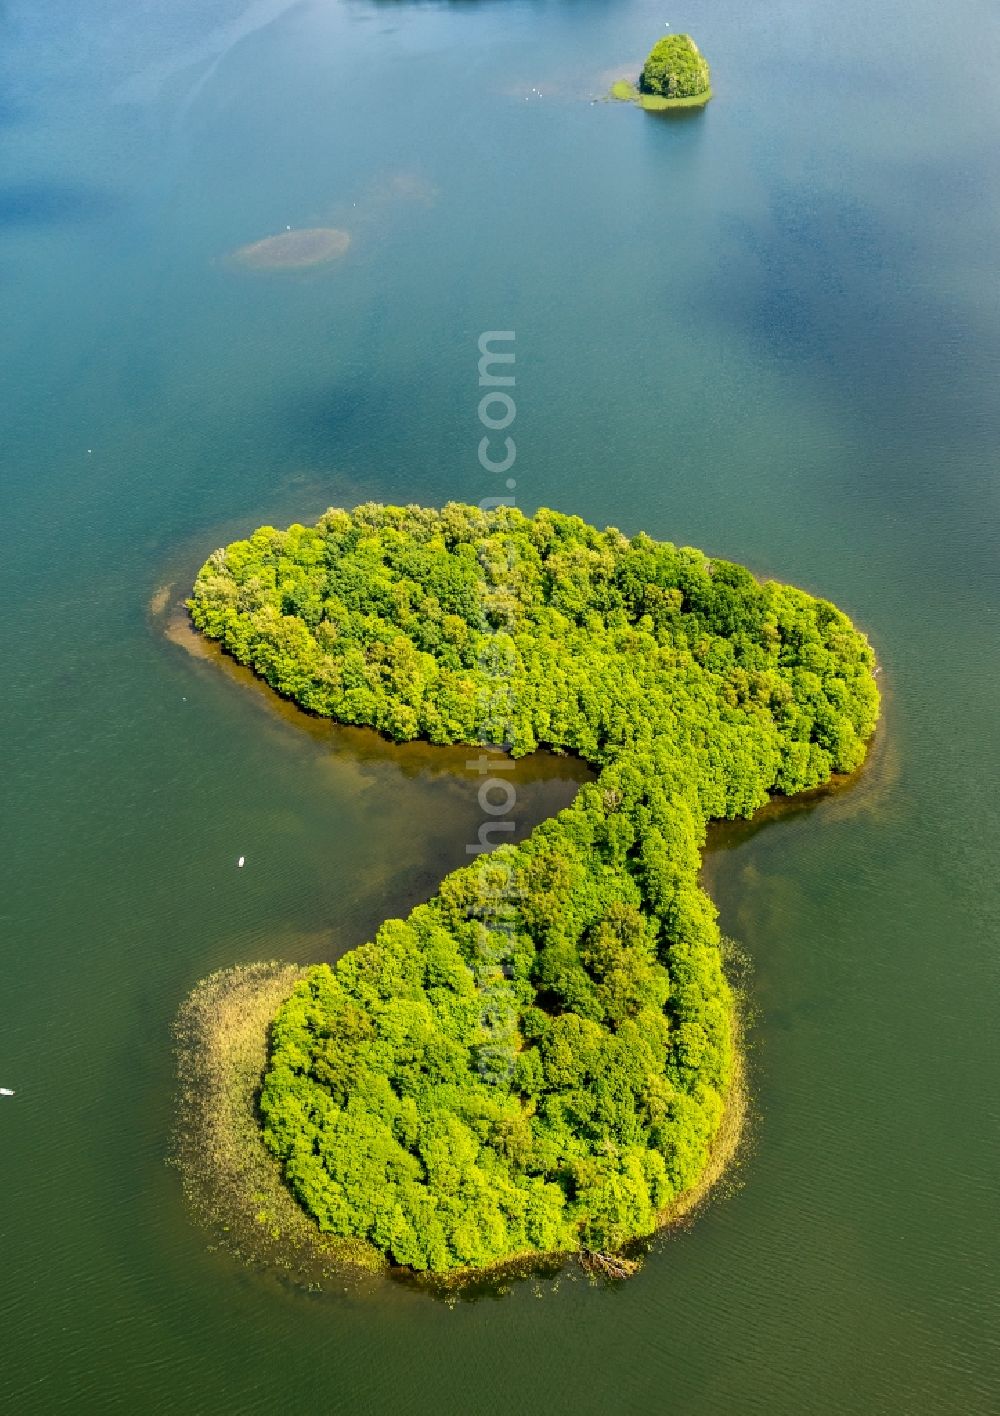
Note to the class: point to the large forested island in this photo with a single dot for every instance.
(539, 1059)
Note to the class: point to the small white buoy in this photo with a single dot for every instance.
(240, 861)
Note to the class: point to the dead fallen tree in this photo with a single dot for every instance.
(607, 1265)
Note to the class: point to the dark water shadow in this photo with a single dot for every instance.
(833, 287)
(340, 410)
(676, 115)
(842, 796)
(389, 5)
(53, 203)
(364, 746)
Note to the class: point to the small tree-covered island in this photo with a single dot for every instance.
(539, 1060)
(675, 75)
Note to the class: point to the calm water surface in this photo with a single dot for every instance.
(772, 330)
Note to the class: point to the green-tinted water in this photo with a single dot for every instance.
(770, 329)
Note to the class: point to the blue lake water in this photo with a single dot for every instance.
(770, 329)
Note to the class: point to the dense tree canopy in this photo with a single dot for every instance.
(675, 68)
(538, 1058)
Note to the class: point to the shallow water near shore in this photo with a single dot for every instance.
(767, 329)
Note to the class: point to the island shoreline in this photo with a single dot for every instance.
(757, 734)
(234, 1186)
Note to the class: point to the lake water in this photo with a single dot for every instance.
(771, 329)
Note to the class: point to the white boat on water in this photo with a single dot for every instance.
(6, 1091)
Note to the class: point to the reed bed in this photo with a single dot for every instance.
(232, 1183)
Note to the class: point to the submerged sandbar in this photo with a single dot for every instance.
(294, 250)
